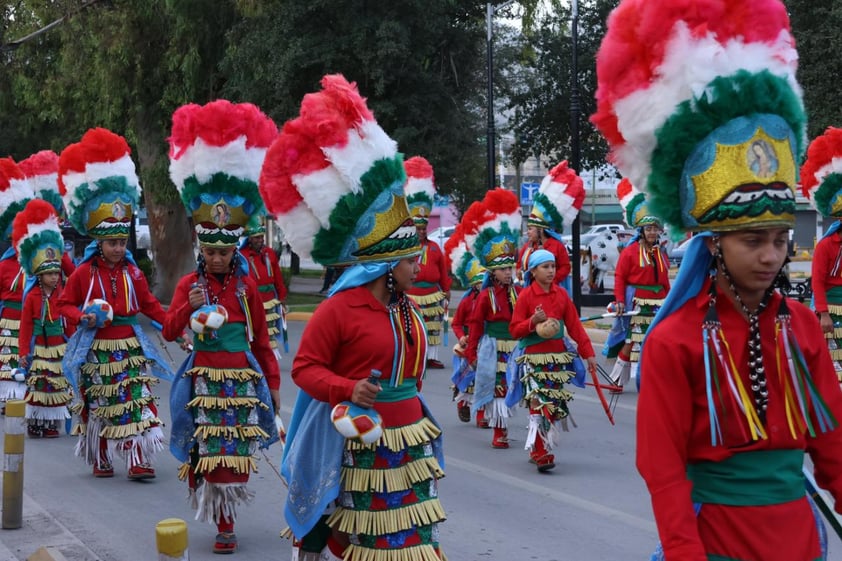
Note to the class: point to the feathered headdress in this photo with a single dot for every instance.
(495, 230)
(700, 106)
(15, 192)
(335, 182)
(420, 189)
(462, 263)
(821, 174)
(216, 152)
(37, 238)
(41, 169)
(558, 200)
(98, 182)
(635, 208)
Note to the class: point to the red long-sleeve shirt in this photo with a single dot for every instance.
(67, 266)
(556, 304)
(264, 275)
(463, 313)
(178, 317)
(9, 271)
(827, 273)
(562, 259)
(433, 269)
(483, 313)
(350, 334)
(32, 310)
(99, 277)
(673, 430)
(629, 271)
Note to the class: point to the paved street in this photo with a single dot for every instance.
(593, 506)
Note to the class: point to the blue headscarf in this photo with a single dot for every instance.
(360, 274)
(537, 257)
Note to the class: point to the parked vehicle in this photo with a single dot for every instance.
(141, 229)
(441, 235)
(676, 252)
(591, 233)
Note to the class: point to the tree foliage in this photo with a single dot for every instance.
(816, 24)
(539, 91)
(420, 64)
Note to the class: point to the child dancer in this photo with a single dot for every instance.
(493, 235)
(37, 239)
(547, 360)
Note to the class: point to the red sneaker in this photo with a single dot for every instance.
(50, 433)
(433, 363)
(481, 422)
(463, 410)
(544, 463)
(141, 471)
(103, 470)
(226, 542)
(500, 439)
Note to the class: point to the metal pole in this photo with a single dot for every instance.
(490, 61)
(574, 149)
(15, 428)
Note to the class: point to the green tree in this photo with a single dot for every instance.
(816, 24)
(125, 65)
(418, 62)
(539, 85)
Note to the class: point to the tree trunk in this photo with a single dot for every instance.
(169, 230)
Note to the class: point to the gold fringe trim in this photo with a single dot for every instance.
(184, 471)
(506, 345)
(547, 358)
(637, 337)
(433, 324)
(111, 368)
(268, 304)
(428, 299)
(111, 345)
(563, 375)
(8, 341)
(58, 382)
(641, 320)
(649, 301)
(399, 438)
(837, 334)
(76, 408)
(242, 433)
(833, 309)
(47, 399)
(40, 365)
(634, 356)
(110, 390)
(115, 410)
(272, 316)
(378, 523)
(118, 432)
(54, 351)
(222, 374)
(8, 323)
(421, 552)
(836, 354)
(211, 402)
(240, 464)
(396, 479)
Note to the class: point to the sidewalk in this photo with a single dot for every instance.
(312, 285)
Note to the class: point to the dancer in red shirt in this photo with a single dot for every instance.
(736, 383)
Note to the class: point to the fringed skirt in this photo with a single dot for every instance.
(48, 392)
(272, 307)
(118, 403)
(639, 324)
(834, 338)
(9, 328)
(432, 309)
(225, 412)
(389, 501)
(543, 377)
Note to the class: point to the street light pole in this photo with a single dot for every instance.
(489, 15)
(574, 148)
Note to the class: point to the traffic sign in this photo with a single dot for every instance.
(527, 192)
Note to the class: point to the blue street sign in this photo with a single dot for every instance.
(527, 192)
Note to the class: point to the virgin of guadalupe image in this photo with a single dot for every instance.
(762, 159)
(117, 211)
(221, 215)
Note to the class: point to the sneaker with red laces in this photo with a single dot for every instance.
(433, 363)
(141, 471)
(50, 433)
(226, 542)
(103, 469)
